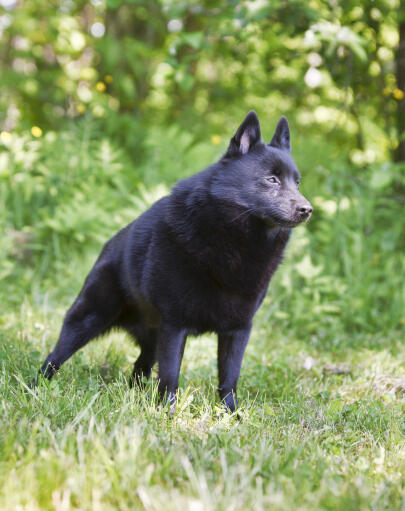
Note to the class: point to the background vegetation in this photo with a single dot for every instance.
(103, 106)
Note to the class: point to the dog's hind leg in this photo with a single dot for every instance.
(170, 350)
(93, 313)
(147, 340)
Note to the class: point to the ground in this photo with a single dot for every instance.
(318, 427)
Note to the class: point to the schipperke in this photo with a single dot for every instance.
(199, 260)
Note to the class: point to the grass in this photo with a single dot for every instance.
(304, 435)
(321, 423)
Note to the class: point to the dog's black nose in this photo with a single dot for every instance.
(305, 211)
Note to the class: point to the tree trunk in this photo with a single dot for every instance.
(400, 72)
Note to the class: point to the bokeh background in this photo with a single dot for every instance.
(104, 104)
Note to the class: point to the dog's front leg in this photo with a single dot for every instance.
(170, 349)
(231, 348)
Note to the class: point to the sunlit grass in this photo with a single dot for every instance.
(304, 435)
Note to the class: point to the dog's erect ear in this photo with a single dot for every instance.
(247, 135)
(281, 137)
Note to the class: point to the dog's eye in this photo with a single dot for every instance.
(272, 179)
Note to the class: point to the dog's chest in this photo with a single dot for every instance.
(219, 285)
(226, 300)
(246, 270)
(218, 311)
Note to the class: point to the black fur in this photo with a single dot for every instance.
(199, 260)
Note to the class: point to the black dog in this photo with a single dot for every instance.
(199, 260)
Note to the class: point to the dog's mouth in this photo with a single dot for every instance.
(290, 223)
(283, 222)
(273, 218)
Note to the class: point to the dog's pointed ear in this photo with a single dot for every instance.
(281, 137)
(247, 135)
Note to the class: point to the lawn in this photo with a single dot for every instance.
(315, 430)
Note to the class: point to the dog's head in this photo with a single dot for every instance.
(262, 178)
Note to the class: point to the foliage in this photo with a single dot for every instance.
(333, 62)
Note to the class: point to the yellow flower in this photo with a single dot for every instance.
(108, 78)
(398, 94)
(100, 86)
(5, 136)
(36, 131)
(216, 139)
(80, 108)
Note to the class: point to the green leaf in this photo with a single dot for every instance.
(306, 269)
(194, 39)
(380, 178)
